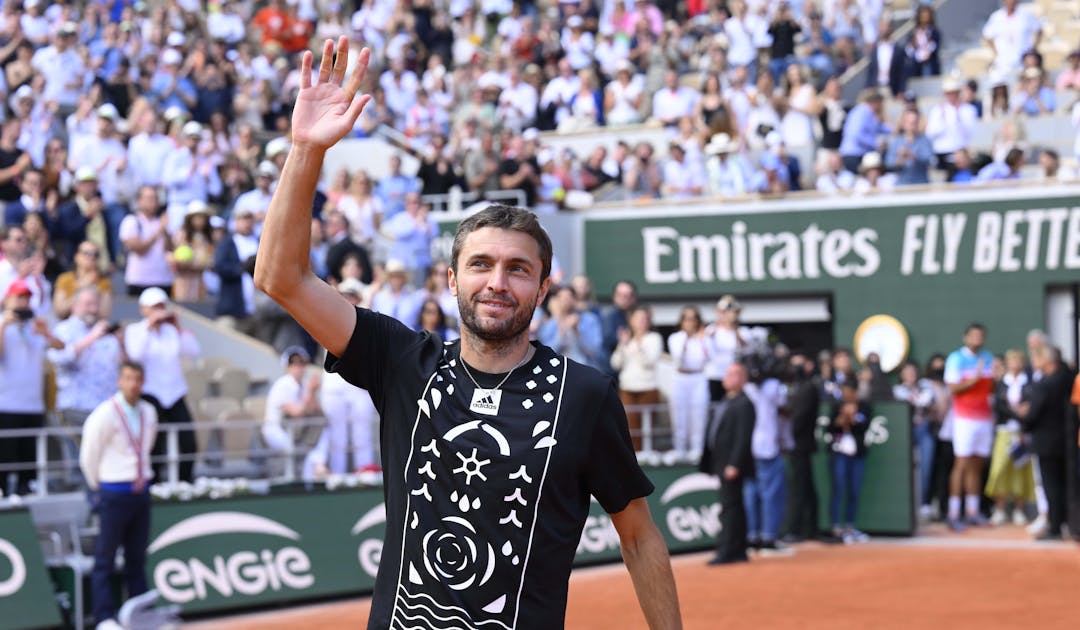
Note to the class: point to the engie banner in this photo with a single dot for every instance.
(26, 594)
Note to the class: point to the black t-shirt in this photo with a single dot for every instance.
(9, 190)
(783, 34)
(511, 166)
(484, 512)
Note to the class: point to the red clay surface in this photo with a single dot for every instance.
(983, 579)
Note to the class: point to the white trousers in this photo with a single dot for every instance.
(277, 437)
(689, 410)
(349, 411)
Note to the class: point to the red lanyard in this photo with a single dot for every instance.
(136, 444)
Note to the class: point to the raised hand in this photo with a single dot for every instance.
(327, 110)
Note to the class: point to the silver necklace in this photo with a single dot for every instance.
(487, 390)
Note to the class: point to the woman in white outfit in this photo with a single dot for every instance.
(690, 388)
(349, 413)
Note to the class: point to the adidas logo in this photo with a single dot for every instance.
(486, 402)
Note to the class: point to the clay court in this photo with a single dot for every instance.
(980, 579)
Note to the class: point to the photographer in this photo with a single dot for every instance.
(146, 242)
(23, 341)
(158, 342)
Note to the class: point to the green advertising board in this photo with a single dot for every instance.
(26, 594)
(932, 261)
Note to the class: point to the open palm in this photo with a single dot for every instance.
(327, 109)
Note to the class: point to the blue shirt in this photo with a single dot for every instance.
(917, 169)
(1031, 105)
(996, 171)
(392, 190)
(861, 131)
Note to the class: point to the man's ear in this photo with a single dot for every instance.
(542, 293)
(451, 281)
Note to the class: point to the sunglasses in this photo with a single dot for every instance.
(90, 252)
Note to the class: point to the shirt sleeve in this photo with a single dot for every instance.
(612, 473)
(376, 343)
(93, 441)
(952, 369)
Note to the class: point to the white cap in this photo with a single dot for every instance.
(191, 128)
(24, 91)
(575, 21)
(197, 206)
(353, 286)
(69, 28)
(773, 139)
(85, 174)
(277, 146)
(173, 112)
(544, 156)
(721, 143)
(869, 161)
(171, 57)
(153, 296)
(530, 134)
(624, 65)
(394, 266)
(267, 169)
(175, 39)
(108, 112)
(950, 85)
(30, 4)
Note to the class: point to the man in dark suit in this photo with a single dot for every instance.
(341, 246)
(728, 455)
(888, 63)
(803, 403)
(1043, 415)
(231, 263)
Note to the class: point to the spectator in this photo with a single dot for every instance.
(887, 62)
(1050, 163)
(341, 245)
(63, 69)
(783, 31)
(393, 188)
(434, 321)
(86, 274)
(1044, 417)
(482, 166)
(765, 492)
(83, 218)
(964, 168)
(872, 175)
(148, 149)
(293, 395)
(362, 208)
(950, 125)
(863, 129)
(919, 395)
(803, 106)
(1068, 78)
(1010, 31)
(1007, 169)
(682, 179)
(118, 439)
(411, 233)
(804, 402)
(635, 358)
(623, 95)
(833, 178)
(556, 97)
(728, 455)
(1010, 479)
(31, 200)
(922, 49)
(518, 168)
(188, 175)
(233, 263)
(517, 102)
(642, 177)
(397, 298)
(437, 172)
(13, 160)
(1034, 97)
(689, 398)
(969, 94)
(833, 114)
(193, 255)
(910, 152)
(24, 339)
(726, 172)
(146, 240)
(350, 414)
(674, 101)
(850, 421)
(105, 155)
(999, 100)
(576, 334)
(257, 200)
(159, 342)
(773, 178)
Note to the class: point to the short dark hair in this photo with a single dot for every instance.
(131, 364)
(504, 217)
(975, 326)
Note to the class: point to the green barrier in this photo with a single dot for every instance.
(26, 594)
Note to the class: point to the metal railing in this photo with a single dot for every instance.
(456, 201)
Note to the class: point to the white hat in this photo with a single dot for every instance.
(294, 351)
(171, 57)
(69, 28)
(869, 161)
(353, 286)
(24, 91)
(544, 156)
(394, 266)
(773, 139)
(85, 174)
(191, 128)
(721, 143)
(530, 134)
(173, 112)
(197, 206)
(575, 21)
(607, 28)
(277, 146)
(153, 296)
(267, 169)
(950, 84)
(175, 39)
(108, 112)
(727, 303)
(1031, 73)
(624, 65)
(30, 4)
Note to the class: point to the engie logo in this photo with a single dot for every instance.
(598, 535)
(370, 551)
(11, 584)
(246, 572)
(692, 520)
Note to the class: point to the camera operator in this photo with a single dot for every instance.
(23, 341)
(88, 365)
(158, 342)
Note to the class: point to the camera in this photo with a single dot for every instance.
(24, 314)
(113, 328)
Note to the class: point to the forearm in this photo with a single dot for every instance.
(284, 251)
(649, 565)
